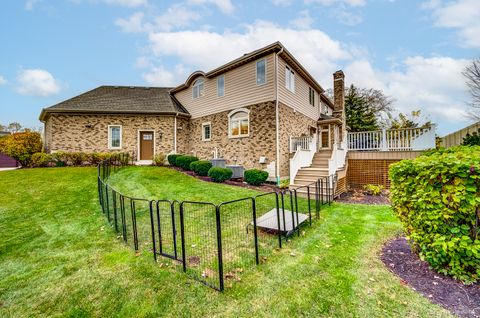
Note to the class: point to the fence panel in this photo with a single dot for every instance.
(267, 211)
(239, 241)
(200, 253)
(165, 229)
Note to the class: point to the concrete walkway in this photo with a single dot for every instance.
(6, 169)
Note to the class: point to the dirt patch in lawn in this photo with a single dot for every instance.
(360, 197)
(266, 187)
(462, 300)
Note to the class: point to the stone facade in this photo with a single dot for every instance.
(244, 151)
(89, 133)
(294, 124)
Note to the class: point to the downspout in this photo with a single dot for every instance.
(175, 134)
(277, 119)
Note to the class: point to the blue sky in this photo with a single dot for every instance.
(414, 51)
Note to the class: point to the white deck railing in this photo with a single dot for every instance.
(300, 143)
(303, 154)
(393, 140)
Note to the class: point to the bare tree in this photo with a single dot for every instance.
(14, 127)
(472, 73)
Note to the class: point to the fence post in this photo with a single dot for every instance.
(219, 246)
(134, 224)
(278, 221)
(152, 226)
(124, 219)
(283, 213)
(255, 237)
(309, 205)
(182, 234)
(115, 217)
(174, 230)
(108, 204)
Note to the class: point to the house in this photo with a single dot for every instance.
(262, 110)
(456, 138)
(254, 111)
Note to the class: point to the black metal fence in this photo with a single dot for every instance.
(213, 243)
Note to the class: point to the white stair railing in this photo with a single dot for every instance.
(303, 157)
(302, 143)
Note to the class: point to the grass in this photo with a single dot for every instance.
(58, 257)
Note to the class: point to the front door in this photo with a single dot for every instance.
(324, 136)
(146, 145)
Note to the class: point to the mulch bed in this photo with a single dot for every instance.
(460, 299)
(359, 197)
(266, 187)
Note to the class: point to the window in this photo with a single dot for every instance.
(239, 123)
(325, 109)
(311, 94)
(198, 88)
(261, 72)
(221, 85)
(289, 79)
(206, 131)
(114, 137)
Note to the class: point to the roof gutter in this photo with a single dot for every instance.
(277, 118)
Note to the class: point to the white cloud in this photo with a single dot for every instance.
(225, 6)
(353, 3)
(3, 81)
(37, 82)
(127, 3)
(132, 24)
(462, 15)
(315, 49)
(159, 76)
(282, 3)
(434, 85)
(303, 20)
(29, 4)
(346, 17)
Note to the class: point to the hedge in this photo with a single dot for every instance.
(172, 159)
(255, 176)
(220, 174)
(185, 161)
(437, 199)
(61, 159)
(201, 167)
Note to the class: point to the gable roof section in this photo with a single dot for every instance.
(252, 56)
(120, 100)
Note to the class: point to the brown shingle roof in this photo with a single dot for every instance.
(120, 99)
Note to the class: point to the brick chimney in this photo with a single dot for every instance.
(339, 101)
(339, 93)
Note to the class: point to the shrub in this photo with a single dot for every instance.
(472, 140)
(76, 158)
(220, 174)
(172, 159)
(373, 189)
(437, 198)
(159, 159)
(255, 176)
(40, 159)
(284, 184)
(201, 167)
(185, 161)
(21, 146)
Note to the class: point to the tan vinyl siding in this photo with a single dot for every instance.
(240, 90)
(298, 100)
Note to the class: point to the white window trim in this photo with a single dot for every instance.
(256, 72)
(139, 141)
(199, 92)
(110, 137)
(288, 79)
(233, 112)
(218, 77)
(203, 131)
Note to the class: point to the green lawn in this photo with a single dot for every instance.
(59, 257)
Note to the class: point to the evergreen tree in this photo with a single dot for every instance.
(360, 117)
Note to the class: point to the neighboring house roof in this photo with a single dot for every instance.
(4, 133)
(252, 56)
(121, 100)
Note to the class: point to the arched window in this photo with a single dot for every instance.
(198, 86)
(239, 123)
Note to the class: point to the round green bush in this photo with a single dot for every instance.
(193, 165)
(40, 159)
(255, 176)
(220, 174)
(185, 161)
(172, 159)
(201, 167)
(437, 199)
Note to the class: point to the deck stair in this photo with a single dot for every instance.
(318, 169)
